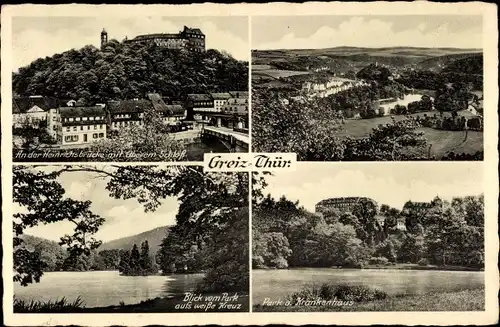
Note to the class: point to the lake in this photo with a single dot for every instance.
(104, 288)
(279, 283)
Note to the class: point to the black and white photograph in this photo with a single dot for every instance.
(133, 89)
(369, 238)
(129, 239)
(368, 88)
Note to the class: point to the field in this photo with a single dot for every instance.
(277, 73)
(442, 142)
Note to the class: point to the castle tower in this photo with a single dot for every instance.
(104, 37)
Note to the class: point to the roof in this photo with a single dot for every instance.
(192, 30)
(344, 200)
(67, 112)
(23, 104)
(220, 96)
(175, 109)
(239, 94)
(199, 97)
(129, 106)
(154, 36)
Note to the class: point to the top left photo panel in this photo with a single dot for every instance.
(128, 89)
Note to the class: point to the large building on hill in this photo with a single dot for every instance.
(189, 38)
(345, 204)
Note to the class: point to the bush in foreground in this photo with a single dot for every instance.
(327, 292)
(60, 306)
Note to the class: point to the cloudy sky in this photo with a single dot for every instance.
(391, 184)
(123, 217)
(315, 32)
(35, 37)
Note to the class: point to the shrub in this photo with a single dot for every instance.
(57, 306)
(327, 292)
(378, 261)
(423, 262)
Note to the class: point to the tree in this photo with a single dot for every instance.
(270, 250)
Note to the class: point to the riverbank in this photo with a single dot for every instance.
(216, 302)
(399, 266)
(465, 300)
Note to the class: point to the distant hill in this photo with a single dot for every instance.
(154, 238)
(440, 62)
(342, 59)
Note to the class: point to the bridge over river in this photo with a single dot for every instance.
(235, 141)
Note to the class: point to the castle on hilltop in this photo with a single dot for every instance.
(189, 38)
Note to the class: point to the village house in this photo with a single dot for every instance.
(32, 110)
(220, 100)
(199, 107)
(323, 87)
(124, 113)
(79, 125)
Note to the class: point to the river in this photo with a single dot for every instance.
(196, 150)
(104, 288)
(279, 283)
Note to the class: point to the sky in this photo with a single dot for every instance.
(123, 217)
(386, 183)
(35, 37)
(316, 32)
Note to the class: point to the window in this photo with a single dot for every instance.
(68, 129)
(91, 118)
(88, 127)
(74, 128)
(101, 134)
(77, 119)
(54, 117)
(84, 118)
(71, 119)
(95, 126)
(95, 135)
(81, 128)
(100, 126)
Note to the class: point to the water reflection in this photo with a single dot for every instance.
(179, 284)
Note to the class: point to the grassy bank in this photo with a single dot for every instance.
(208, 303)
(414, 266)
(465, 300)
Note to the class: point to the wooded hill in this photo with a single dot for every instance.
(127, 71)
(154, 238)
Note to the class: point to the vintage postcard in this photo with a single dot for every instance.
(246, 164)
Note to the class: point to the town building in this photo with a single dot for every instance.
(32, 110)
(200, 107)
(171, 114)
(79, 125)
(344, 204)
(189, 38)
(220, 100)
(324, 86)
(124, 113)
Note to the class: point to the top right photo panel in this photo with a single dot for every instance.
(368, 88)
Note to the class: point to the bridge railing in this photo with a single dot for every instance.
(241, 130)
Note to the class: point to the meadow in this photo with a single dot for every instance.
(442, 141)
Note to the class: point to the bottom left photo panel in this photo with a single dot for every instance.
(125, 239)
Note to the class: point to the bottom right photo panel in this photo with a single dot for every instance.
(369, 237)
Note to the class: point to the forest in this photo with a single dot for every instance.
(127, 70)
(447, 234)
